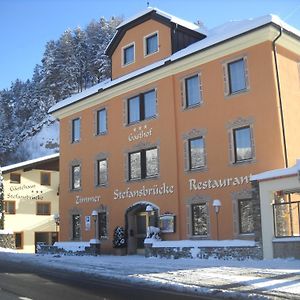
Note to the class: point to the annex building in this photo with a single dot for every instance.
(31, 202)
(185, 119)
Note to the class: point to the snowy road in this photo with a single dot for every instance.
(270, 279)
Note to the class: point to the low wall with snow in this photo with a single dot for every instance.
(286, 247)
(68, 248)
(231, 249)
(7, 239)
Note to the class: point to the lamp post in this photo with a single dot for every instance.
(94, 216)
(56, 220)
(149, 210)
(217, 205)
(95, 243)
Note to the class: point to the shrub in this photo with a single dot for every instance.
(119, 240)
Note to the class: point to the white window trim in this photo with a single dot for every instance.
(145, 44)
(122, 56)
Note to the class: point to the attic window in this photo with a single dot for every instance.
(128, 54)
(151, 44)
(15, 178)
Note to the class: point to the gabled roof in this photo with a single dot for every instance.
(215, 36)
(33, 163)
(155, 14)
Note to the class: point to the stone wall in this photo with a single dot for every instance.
(240, 253)
(256, 212)
(7, 241)
(286, 249)
(54, 250)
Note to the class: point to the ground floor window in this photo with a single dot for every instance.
(246, 223)
(102, 223)
(19, 240)
(43, 208)
(10, 207)
(76, 224)
(199, 219)
(286, 214)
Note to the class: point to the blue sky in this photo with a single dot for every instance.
(26, 25)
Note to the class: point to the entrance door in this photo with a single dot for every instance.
(141, 230)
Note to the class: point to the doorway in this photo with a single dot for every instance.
(136, 225)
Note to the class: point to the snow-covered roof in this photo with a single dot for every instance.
(29, 162)
(214, 36)
(172, 18)
(278, 173)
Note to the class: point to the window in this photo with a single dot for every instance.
(246, 223)
(286, 214)
(75, 130)
(143, 164)
(76, 177)
(237, 76)
(15, 178)
(9, 207)
(101, 121)
(199, 219)
(242, 144)
(151, 44)
(142, 107)
(76, 224)
(19, 240)
(196, 153)
(45, 178)
(43, 208)
(128, 54)
(102, 223)
(192, 91)
(102, 172)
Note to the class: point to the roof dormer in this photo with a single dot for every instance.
(149, 37)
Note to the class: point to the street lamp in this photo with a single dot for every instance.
(94, 216)
(217, 205)
(56, 219)
(95, 243)
(149, 210)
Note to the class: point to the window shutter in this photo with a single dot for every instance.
(182, 93)
(231, 146)
(246, 73)
(225, 79)
(186, 155)
(200, 88)
(125, 112)
(156, 103)
(252, 142)
(235, 217)
(188, 220)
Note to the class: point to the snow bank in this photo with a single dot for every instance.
(6, 231)
(72, 246)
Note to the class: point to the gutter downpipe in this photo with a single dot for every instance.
(280, 98)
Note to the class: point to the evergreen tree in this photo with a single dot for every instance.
(69, 65)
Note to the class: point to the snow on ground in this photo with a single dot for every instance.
(266, 279)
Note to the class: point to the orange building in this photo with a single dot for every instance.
(186, 118)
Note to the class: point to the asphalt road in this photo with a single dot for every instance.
(25, 282)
